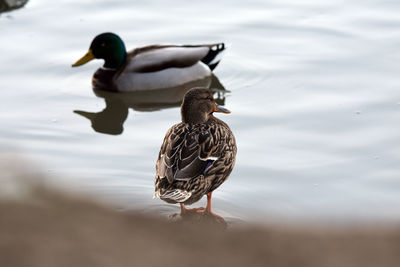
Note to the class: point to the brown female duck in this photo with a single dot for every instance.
(197, 155)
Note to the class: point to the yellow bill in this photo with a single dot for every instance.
(86, 58)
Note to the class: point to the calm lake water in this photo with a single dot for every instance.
(314, 94)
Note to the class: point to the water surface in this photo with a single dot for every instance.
(314, 95)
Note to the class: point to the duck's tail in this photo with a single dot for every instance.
(172, 195)
(214, 55)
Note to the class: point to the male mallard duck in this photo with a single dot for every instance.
(148, 67)
(197, 154)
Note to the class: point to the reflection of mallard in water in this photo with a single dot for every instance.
(111, 119)
(9, 5)
(150, 67)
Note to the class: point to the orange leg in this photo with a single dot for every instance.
(208, 207)
(203, 212)
(185, 210)
(199, 210)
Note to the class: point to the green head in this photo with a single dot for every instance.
(107, 46)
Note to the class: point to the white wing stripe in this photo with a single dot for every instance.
(210, 158)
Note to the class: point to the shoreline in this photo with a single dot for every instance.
(55, 229)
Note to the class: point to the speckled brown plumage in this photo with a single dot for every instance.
(195, 158)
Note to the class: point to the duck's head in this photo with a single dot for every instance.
(107, 46)
(198, 106)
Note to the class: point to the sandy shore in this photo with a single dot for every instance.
(55, 230)
(47, 229)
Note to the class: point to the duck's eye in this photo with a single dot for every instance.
(103, 44)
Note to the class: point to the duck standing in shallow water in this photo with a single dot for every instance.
(149, 67)
(197, 155)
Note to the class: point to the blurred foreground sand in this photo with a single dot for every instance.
(42, 228)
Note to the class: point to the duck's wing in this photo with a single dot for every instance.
(189, 151)
(159, 57)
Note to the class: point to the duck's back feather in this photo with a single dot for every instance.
(168, 57)
(159, 57)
